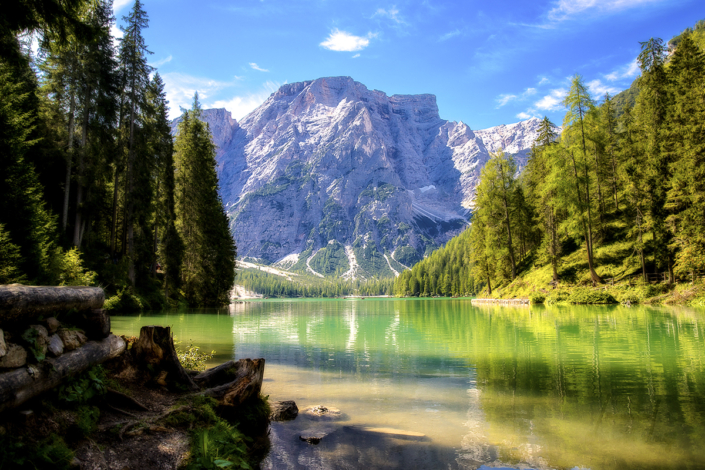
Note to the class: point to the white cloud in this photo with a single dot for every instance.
(241, 106)
(119, 4)
(450, 35)
(257, 67)
(565, 9)
(504, 99)
(342, 41)
(553, 101)
(356, 56)
(543, 81)
(598, 89)
(163, 61)
(529, 92)
(180, 89)
(392, 14)
(630, 70)
(524, 116)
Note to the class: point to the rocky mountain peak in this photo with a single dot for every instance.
(330, 177)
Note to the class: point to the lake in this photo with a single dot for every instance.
(490, 386)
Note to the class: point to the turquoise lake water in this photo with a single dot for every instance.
(490, 386)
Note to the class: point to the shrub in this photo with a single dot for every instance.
(72, 272)
(537, 298)
(590, 297)
(124, 301)
(192, 358)
(557, 296)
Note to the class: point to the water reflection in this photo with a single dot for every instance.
(560, 387)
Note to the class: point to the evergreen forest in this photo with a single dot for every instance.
(95, 190)
(617, 194)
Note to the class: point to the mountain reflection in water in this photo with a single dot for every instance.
(539, 387)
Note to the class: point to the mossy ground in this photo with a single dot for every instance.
(616, 263)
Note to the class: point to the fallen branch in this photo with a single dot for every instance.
(27, 303)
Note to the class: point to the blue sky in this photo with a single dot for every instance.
(488, 62)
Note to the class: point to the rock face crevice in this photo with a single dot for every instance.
(329, 160)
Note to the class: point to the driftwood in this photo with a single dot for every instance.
(218, 375)
(25, 304)
(19, 385)
(154, 350)
(247, 383)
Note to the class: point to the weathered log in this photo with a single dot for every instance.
(247, 384)
(96, 322)
(218, 375)
(19, 385)
(25, 304)
(155, 350)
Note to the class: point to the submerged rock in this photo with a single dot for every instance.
(284, 410)
(326, 412)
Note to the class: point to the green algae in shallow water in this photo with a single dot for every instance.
(607, 387)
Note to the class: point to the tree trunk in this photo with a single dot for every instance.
(130, 195)
(81, 166)
(554, 245)
(508, 223)
(155, 350)
(19, 385)
(20, 303)
(246, 384)
(113, 223)
(587, 230)
(69, 158)
(156, 229)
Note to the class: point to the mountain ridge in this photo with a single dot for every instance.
(327, 175)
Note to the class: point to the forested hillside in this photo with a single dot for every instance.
(611, 197)
(88, 192)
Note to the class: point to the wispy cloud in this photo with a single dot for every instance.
(552, 101)
(504, 99)
(254, 66)
(450, 35)
(180, 89)
(524, 116)
(598, 89)
(565, 9)
(356, 56)
(630, 70)
(529, 92)
(343, 41)
(391, 13)
(120, 4)
(240, 106)
(163, 61)
(543, 81)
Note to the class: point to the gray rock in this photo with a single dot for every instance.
(52, 325)
(3, 346)
(16, 357)
(384, 176)
(72, 339)
(324, 412)
(284, 410)
(56, 346)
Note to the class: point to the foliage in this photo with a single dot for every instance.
(10, 260)
(30, 337)
(82, 388)
(192, 358)
(49, 454)
(72, 272)
(590, 297)
(537, 298)
(124, 301)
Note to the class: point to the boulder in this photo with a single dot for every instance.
(16, 357)
(56, 346)
(52, 325)
(72, 339)
(283, 410)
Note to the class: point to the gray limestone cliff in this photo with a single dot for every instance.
(329, 177)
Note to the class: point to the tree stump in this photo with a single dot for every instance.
(247, 383)
(155, 352)
(219, 375)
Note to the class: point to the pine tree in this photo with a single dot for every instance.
(208, 268)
